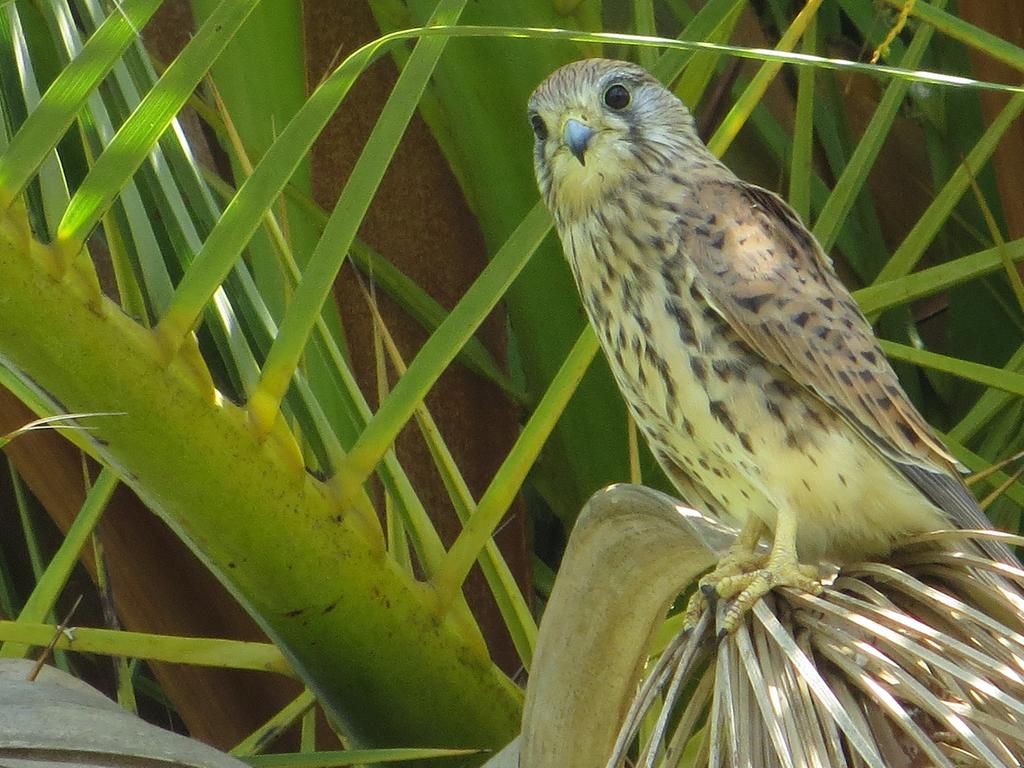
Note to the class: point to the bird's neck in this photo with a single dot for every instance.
(583, 192)
(632, 228)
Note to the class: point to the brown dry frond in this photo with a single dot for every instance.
(918, 661)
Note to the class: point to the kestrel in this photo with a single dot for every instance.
(755, 378)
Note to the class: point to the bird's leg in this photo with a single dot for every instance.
(742, 555)
(783, 569)
(740, 558)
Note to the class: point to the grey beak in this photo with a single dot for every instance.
(576, 136)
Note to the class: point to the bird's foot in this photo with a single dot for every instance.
(748, 588)
(746, 585)
(741, 558)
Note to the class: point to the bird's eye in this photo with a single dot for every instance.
(616, 97)
(539, 129)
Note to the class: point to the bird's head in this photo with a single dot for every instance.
(598, 122)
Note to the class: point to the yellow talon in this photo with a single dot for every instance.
(748, 588)
(742, 557)
(745, 575)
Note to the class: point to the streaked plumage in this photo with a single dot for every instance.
(748, 366)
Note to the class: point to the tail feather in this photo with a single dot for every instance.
(952, 497)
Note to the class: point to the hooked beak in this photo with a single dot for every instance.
(576, 136)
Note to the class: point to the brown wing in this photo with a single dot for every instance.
(766, 275)
(768, 278)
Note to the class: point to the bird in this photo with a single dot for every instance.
(749, 368)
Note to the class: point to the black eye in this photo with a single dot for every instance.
(616, 97)
(539, 129)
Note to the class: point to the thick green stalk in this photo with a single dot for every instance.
(353, 624)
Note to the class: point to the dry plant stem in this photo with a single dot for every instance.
(916, 660)
(48, 650)
(631, 550)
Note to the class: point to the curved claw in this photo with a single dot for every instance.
(744, 575)
(742, 556)
(748, 588)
